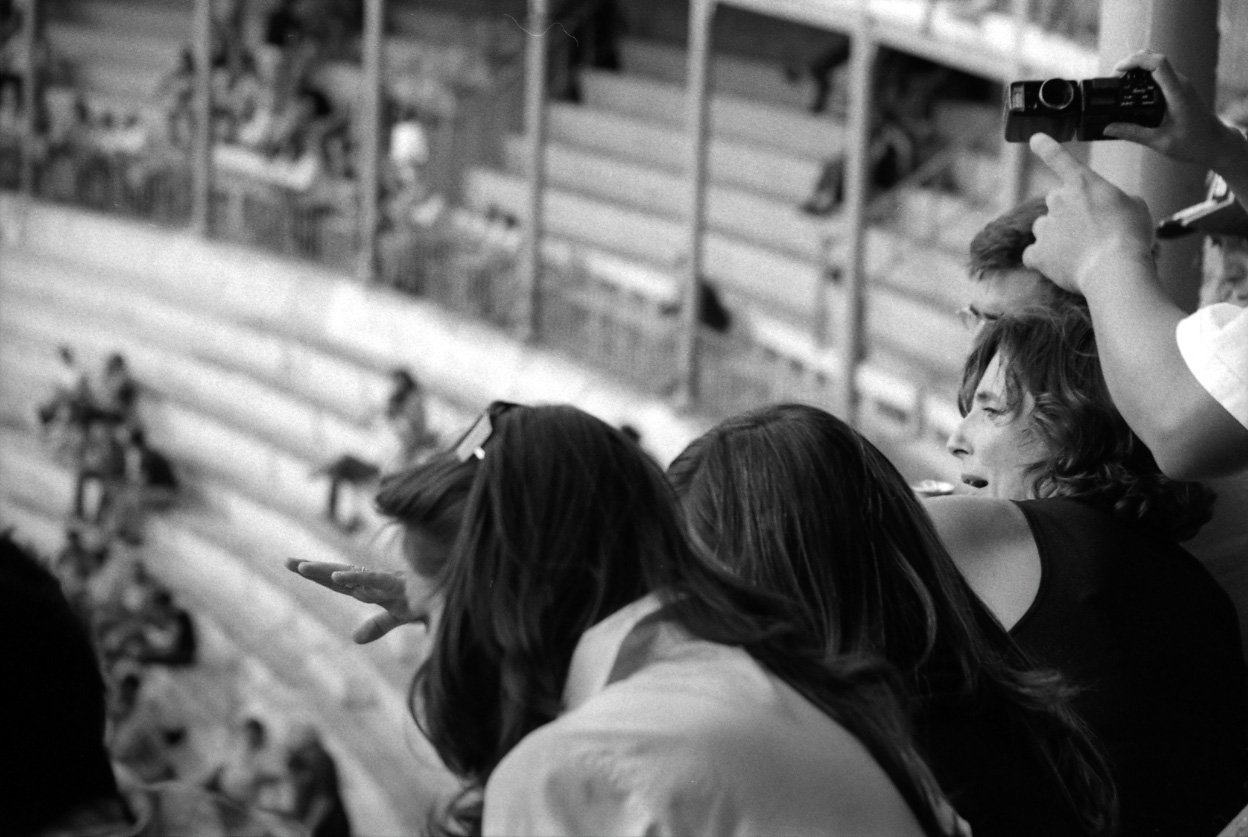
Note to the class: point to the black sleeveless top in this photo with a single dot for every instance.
(1142, 627)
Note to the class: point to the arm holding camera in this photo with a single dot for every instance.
(1097, 241)
(1190, 132)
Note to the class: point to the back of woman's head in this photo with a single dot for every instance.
(563, 523)
(796, 503)
(1093, 454)
(793, 501)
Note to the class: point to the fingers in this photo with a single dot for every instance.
(1061, 161)
(375, 628)
(1128, 131)
(1142, 59)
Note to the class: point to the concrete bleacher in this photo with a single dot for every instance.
(614, 169)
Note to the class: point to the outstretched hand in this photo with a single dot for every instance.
(1190, 132)
(1089, 221)
(386, 589)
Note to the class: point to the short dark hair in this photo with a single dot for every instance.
(1094, 455)
(53, 758)
(1000, 244)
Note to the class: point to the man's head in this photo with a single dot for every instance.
(53, 755)
(1000, 284)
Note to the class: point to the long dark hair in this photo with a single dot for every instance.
(793, 501)
(565, 521)
(1093, 455)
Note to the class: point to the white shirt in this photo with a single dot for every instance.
(668, 734)
(1214, 344)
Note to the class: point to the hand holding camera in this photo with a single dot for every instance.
(1191, 131)
(1082, 110)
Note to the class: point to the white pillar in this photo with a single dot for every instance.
(1187, 32)
(535, 70)
(701, 13)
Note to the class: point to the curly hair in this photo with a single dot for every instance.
(1093, 455)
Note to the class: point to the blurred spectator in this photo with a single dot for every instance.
(140, 739)
(251, 773)
(63, 417)
(116, 393)
(149, 484)
(316, 795)
(401, 435)
(163, 635)
(101, 469)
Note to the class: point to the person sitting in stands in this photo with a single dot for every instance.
(796, 503)
(590, 675)
(250, 773)
(163, 635)
(149, 483)
(59, 781)
(116, 393)
(63, 417)
(140, 738)
(1070, 535)
(101, 471)
(402, 436)
(316, 797)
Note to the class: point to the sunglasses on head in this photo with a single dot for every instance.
(473, 442)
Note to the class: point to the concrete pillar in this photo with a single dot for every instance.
(536, 63)
(701, 13)
(368, 131)
(201, 154)
(33, 37)
(1187, 32)
(851, 333)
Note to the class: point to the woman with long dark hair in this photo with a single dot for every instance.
(590, 675)
(1070, 535)
(796, 503)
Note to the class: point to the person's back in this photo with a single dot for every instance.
(687, 737)
(1147, 629)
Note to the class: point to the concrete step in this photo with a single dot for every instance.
(736, 75)
(740, 212)
(730, 161)
(898, 321)
(779, 129)
(344, 390)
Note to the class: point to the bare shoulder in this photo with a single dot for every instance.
(977, 524)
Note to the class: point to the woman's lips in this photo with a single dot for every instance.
(974, 481)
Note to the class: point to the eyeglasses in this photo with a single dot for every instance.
(973, 319)
(473, 442)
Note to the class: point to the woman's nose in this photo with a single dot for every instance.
(958, 444)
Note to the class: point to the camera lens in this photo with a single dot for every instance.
(1057, 93)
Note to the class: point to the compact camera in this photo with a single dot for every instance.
(1080, 110)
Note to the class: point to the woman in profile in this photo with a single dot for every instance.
(1070, 533)
(590, 675)
(795, 503)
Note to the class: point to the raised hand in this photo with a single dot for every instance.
(1090, 222)
(1191, 131)
(385, 589)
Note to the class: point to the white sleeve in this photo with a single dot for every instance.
(537, 790)
(1214, 344)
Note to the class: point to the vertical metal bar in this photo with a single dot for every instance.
(701, 12)
(535, 71)
(32, 86)
(368, 132)
(201, 159)
(851, 339)
(1187, 32)
(1016, 159)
